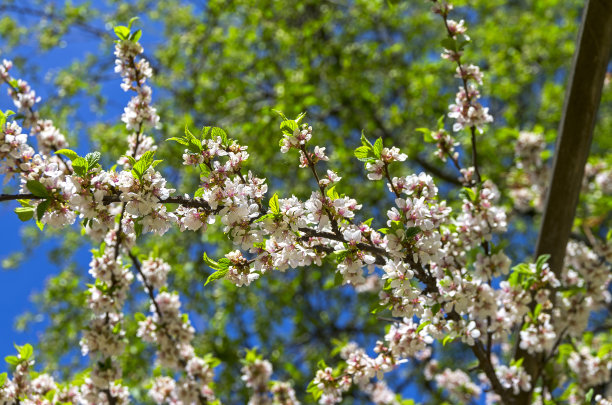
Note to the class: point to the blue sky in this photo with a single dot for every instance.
(18, 284)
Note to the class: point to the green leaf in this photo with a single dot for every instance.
(332, 193)
(37, 188)
(182, 141)
(251, 355)
(589, 396)
(135, 36)
(264, 217)
(210, 262)
(193, 144)
(24, 213)
(517, 363)
(223, 263)
(41, 209)
(288, 127)
(218, 132)
(427, 137)
(365, 142)
(543, 259)
(138, 228)
(26, 351)
(139, 316)
(92, 160)
(422, 325)
(450, 44)
(604, 350)
(3, 378)
(12, 360)
(199, 192)
(141, 166)
(363, 153)
(299, 118)
(469, 193)
(132, 21)
(447, 339)
(188, 133)
(206, 132)
(412, 231)
(79, 165)
(216, 275)
(435, 309)
(122, 32)
(49, 396)
(274, 205)
(378, 147)
(70, 154)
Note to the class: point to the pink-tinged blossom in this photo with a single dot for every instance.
(283, 394)
(539, 335)
(376, 170)
(456, 28)
(470, 72)
(458, 384)
(298, 139)
(468, 112)
(162, 391)
(155, 272)
(514, 378)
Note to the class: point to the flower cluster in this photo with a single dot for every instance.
(256, 374)
(590, 369)
(528, 186)
(15, 153)
(135, 73)
(49, 138)
(29, 387)
(458, 384)
(387, 155)
(172, 333)
(466, 111)
(442, 268)
(514, 377)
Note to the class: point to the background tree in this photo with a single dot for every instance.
(354, 65)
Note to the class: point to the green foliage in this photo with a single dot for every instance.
(125, 33)
(25, 353)
(352, 66)
(274, 206)
(367, 152)
(143, 164)
(221, 268)
(37, 189)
